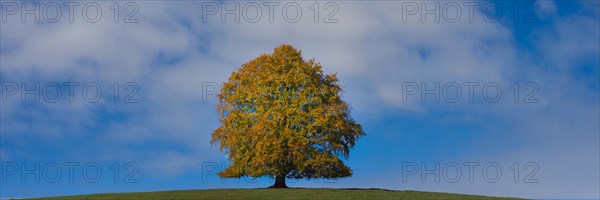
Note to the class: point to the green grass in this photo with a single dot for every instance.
(293, 193)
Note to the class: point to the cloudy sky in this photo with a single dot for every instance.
(478, 97)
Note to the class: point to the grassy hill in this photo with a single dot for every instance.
(293, 193)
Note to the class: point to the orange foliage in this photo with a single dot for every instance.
(281, 116)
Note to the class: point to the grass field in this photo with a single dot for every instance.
(293, 193)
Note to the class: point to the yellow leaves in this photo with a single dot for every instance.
(279, 113)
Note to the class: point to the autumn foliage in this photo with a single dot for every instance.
(281, 116)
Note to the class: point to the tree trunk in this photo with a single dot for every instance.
(279, 182)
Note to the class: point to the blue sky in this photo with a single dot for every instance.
(158, 129)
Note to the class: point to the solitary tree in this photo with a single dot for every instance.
(282, 117)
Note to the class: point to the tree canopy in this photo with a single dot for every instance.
(281, 116)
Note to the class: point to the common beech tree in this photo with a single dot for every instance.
(282, 117)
